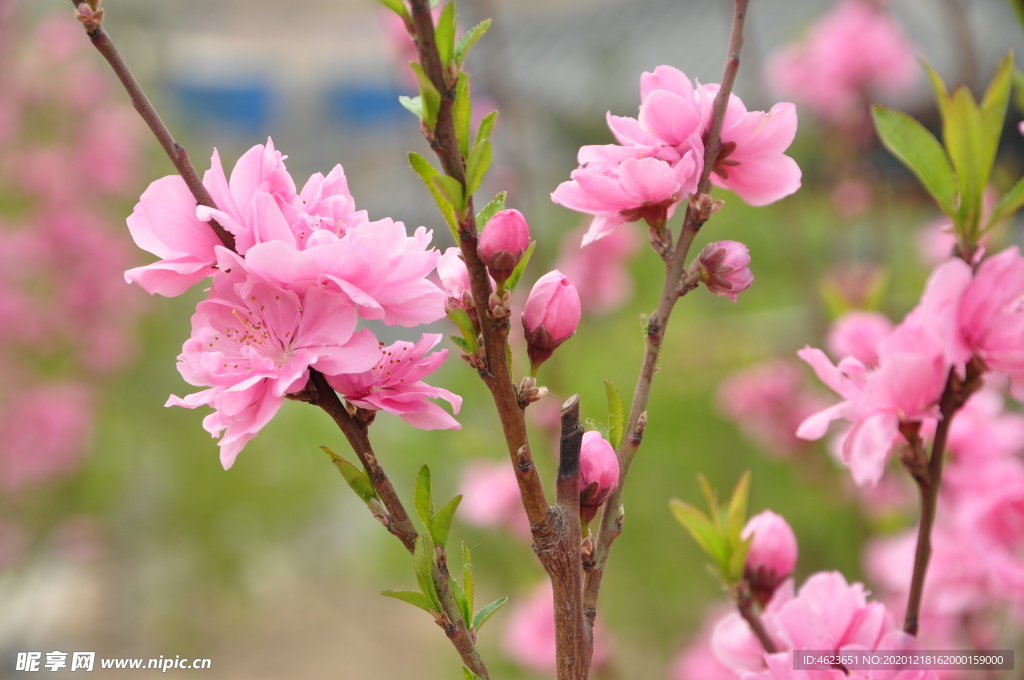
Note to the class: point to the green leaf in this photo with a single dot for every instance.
(1010, 203)
(616, 417)
(451, 189)
(994, 105)
(487, 612)
(1018, 86)
(422, 498)
(483, 133)
(416, 599)
(443, 521)
(517, 273)
(461, 344)
(712, 500)
(460, 317)
(738, 560)
(414, 104)
(354, 477)
(444, 33)
(463, 113)
(469, 675)
(918, 149)
(496, 205)
(963, 132)
(736, 515)
(460, 600)
(591, 425)
(423, 564)
(476, 165)
(467, 578)
(701, 529)
(428, 93)
(467, 41)
(396, 6)
(427, 173)
(941, 93)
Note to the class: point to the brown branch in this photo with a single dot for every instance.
(747, 608)
(675, 270)
(496, 374)
(954, 396)
(176, 152)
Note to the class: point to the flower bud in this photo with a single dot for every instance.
(724, 268)
(503, 242)
(551, 316)
(599, 474)
(772, 554)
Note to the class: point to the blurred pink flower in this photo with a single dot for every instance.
(600, 269)
(772, 555)
(490, 497)
(857, 334)
(698, 661)
(846, 57)
(529, 637)
(394, 384)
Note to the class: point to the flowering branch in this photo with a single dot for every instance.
(928, 479)
(91, 17)
(697, 213)
(745, 604)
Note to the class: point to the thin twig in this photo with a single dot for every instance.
(675, 269)
(745, 603)
(176, 152)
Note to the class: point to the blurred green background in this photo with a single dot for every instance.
(271, 569)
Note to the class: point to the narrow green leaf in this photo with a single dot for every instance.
(460, 317)
(396, 6)
(496, 205)
(941, 93)
(487, 612)
(1018, 87)
(461, 344)
(736, 515)
(701, 529)
(422, 498)
(918, 149)
(463, 113)
(354, 477)
(469, 675)
(460, 600)
(467, 41)
(1010, 203)
(427, 173)
(444, 33)
(712, 500)
(995, 103)
(486, 127)
(589, 424)
(477, 165)
(428, 93)
(467, 578)
(451, 189)
(414, 104)
(517, 273)
(963, 132)
(416, 599)
(443, 521)
(423, 564)
(616, 416)
(738, 559)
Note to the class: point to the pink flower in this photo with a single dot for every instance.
(490, 497)
(751, 161)
(394, 384)
(551, 316)
(698, 661)
(599, 473)
(253, 341)
(768, 402)
(503, 242)
(603, 280)
(846, 57)
(626, 191)
(724, 268)
(772, 554)
(529, 637)
(857, 334)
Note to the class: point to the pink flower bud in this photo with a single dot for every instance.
(599, 473)
(551, 316)
(772, 554)
(503, 242)
(724, 268)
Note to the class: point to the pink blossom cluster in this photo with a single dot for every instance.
(894, 380)
(981, 513)
(848, 56)
(66, 320)
(659, 158)
(305, 269)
